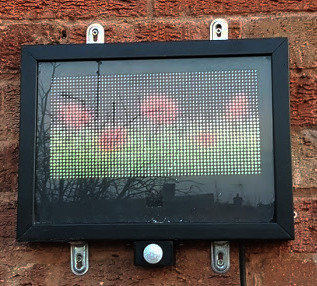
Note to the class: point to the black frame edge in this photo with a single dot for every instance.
(283, 228)
(27, 142)
(242, 47)
(282, 151)
(64, 233)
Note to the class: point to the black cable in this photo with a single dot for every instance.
(242, 267)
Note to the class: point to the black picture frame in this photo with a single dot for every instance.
(281, 228)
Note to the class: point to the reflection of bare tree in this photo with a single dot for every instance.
(77, 189)
(43, 138)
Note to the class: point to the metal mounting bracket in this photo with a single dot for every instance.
(79, 261)
(95, 34)
(220, 256)
(219, 29)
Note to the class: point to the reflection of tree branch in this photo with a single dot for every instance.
(43, 138)
(78, 189)
(147, 184)
(98, 89)
(125, 188)
(136, 194)
(82, 101)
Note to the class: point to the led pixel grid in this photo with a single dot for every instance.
(155, 124)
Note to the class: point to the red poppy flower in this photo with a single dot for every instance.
(159, 109)
(237, 108)
(205, 139)
(74, 116)
(112, 139)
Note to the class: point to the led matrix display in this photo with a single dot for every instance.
(141, 141)
(155, 124)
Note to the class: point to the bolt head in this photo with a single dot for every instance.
(220, 262)
(94, 32)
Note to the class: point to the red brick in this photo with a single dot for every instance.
(279, 270)
(187, 7)
(15, 35)
(228, 7)
(170, 8)
(71, 9)
(10, 95)
(178, 30)
(114, 33)
(205, 7)
(48, 264)
(300, 31)
(8, 166)
(31, 9)
(268, 263)
(292, 262)
(240, 6)
(303, 90)
(76, 34)
(312, 5)
(7, 224)
(305, 226)
(235, 29)
(196, 30)
(304, 156)
(159, 31)
(282, 5)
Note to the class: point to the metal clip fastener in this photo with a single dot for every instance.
(219, 29)
(79, 262)
(220, 256)
(95, 34)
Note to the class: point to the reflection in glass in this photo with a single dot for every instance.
(154, 147)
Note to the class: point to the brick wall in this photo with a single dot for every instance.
(65, 21)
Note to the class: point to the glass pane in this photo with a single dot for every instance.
(155, 141)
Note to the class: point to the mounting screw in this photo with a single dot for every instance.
(295, 214)
(220, 262)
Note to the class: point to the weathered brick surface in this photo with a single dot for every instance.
(8, 166)
(62, 22)
(303, 90)
(305, 225)
(300, 31)
(304, 156)
(312, 5)
(71, 9)
(7, 229)
(229, 7)
(187, 7)
(283, 5)
(267, 269)
(114, 32)
(9, 109)
(180, 30)
(240, 7)
(111, 263)
(14, 35)
(144, 31)
(293, 262)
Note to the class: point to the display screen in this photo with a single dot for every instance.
(160, 124)
(155, 141)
